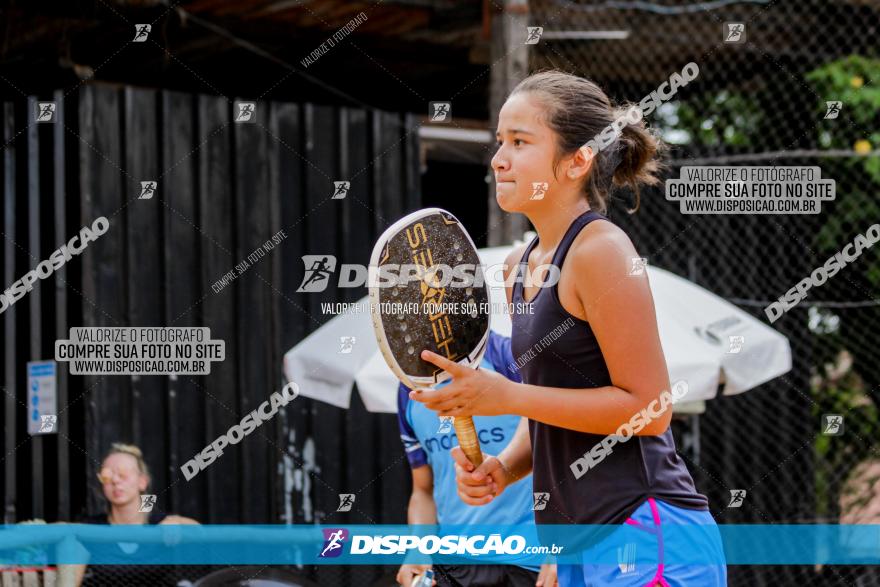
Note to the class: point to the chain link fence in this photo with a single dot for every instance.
(761, 100)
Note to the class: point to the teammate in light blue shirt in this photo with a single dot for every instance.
(427, 441)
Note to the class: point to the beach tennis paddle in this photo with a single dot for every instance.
(405, 316)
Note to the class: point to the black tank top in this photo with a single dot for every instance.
(639, 468)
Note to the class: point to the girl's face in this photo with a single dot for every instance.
(121, 479)
(523, 164)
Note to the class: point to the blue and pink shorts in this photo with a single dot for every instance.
(652, 571)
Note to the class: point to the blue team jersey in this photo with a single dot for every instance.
(427, 440)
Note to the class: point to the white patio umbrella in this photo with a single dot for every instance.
(695, 327)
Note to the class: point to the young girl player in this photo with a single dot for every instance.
(603, 365)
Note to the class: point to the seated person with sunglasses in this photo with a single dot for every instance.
(124, 478)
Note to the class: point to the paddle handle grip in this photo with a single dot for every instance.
(468, 439)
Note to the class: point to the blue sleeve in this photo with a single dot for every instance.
(499, 353)
(415, 454)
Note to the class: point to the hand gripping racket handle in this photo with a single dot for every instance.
(467, 439)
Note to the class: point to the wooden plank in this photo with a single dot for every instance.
(143, 254)
(108, 414)
(361, 429)
(387, 156)
(34, 299)
(216, 246)
(9, 318)
(329, 422)
(274, 432)
(254, 291)
(295, 503)
(61, 321)
(412, 195)
(185, 406)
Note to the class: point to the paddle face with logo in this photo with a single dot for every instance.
(435, 311)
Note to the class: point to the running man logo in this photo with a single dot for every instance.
(638, 265)
(445, 425)
(47, 423)
(346, 501)
(734, 32)
(333, 540)
(832, 424)
(45, 112)
(141, 32)
(245, 112)
(318, 270)
(346, 344)
(737, 496)
(148, 190)
(440, 111)
(148, 500)
(539, 188)
(541, 501)
(736, 344)
(626, 559)
(832, 109)
(340, 189)
(534, 35)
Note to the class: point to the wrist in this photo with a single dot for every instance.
(509, 477)
(510, 397)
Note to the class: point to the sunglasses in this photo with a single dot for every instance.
(106, 474)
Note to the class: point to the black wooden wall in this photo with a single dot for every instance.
(224, 188)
